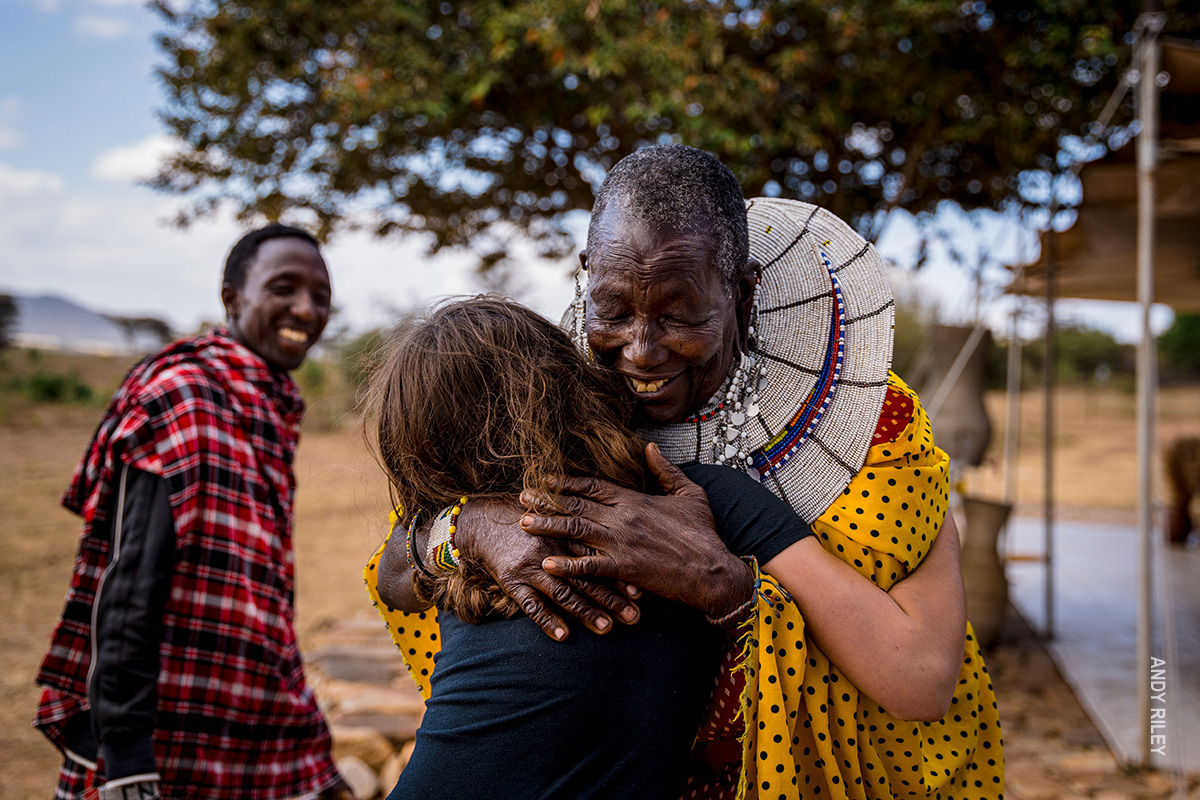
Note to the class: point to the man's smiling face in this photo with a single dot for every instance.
(283, 305)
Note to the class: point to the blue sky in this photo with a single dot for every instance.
(77, 128)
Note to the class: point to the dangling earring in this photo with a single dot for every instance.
(752, 342)
(579, 307)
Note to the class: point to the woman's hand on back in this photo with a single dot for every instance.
(666, 544)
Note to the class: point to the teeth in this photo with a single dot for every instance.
(293, 335)
(652, 386)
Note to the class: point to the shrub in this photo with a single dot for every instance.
(44, 386)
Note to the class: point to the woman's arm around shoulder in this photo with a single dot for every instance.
(902, 648)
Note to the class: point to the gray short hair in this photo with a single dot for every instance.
(672, 185)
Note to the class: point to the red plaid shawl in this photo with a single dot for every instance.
(235, 715)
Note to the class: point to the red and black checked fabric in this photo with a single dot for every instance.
(235, 716)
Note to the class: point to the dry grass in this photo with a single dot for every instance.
(1095, 470)
(342, 511)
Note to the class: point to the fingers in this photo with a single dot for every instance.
(603, 596)
(596, 489)
(629, 589)
(532, 604)
(549, 504)
(531, 597)
(597, 566)
(670, 477)
(578, 605)
(575, 528)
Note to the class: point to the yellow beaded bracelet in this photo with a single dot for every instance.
(443, 552)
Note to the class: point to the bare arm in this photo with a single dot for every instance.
(395, 576)
(902, 648)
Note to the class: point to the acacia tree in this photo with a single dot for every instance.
(132, 327)
(8, 319)
(470, 120)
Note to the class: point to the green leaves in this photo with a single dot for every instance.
(471, 121)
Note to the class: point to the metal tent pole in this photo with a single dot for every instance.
(1012, 417)
(1048, 424)
(1150, 24)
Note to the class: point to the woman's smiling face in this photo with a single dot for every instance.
(659, 313)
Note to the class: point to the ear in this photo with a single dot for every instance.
(743, 294)
(583, 259)
(229, 299)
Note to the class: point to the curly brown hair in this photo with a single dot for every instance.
(484, 397)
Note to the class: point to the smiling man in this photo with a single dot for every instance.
(174, 671)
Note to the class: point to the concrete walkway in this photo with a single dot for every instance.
(1095, 636)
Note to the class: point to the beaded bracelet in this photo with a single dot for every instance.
(734, 619)
(410, 546)
(443, 552)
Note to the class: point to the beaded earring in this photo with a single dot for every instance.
(752, 342)
(579, 311)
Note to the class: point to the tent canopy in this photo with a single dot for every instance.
(1097, 256)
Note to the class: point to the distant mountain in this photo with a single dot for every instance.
(48, 322)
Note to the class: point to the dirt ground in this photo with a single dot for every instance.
(341, 516)
(1096, 449)
(342, 512)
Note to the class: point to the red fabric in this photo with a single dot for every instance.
(720, 723)
(75, 782)
(896, 415)
(235, 715)
(714, 782)
(717, 753)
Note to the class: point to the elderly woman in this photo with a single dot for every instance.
(763, 342)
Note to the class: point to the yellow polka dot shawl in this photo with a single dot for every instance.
(809, 732)
(417, 636)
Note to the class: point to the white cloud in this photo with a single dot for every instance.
(45, 6)
(10, 137)
(133, 162)
(19, 183)
(10, 112)
(108, 248)
(100, 26)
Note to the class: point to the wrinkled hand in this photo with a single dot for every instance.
(488, 532)
(666, 544)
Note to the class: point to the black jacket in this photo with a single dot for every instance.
(127, 628)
